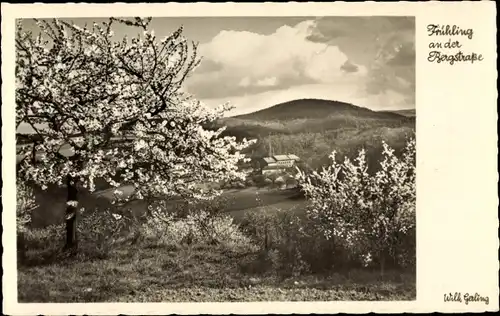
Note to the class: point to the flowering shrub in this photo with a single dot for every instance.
(103, 229)
(118, 108)
(373, 214)
(25, 205)
(198, 227)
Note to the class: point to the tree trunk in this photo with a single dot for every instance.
(383, 261)
(266, 238)
(21, 247)
(71, 216)
(382, 266)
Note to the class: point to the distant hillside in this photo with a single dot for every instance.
(314, 109)
(406, 112)
(312, 129)
(311, 116)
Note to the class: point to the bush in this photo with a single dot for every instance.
(239, 185)
(290, 182)
(280, 181)
(98, 232)
(373, 214)
(102, 229)
(25, 204)
(293, 245)
(277, 233)
(258, 179)
(235, 184)
(202, 226)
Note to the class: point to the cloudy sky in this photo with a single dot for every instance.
(256, 62)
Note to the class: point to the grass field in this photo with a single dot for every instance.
(151, 273)
(148, 272)
(193, 273)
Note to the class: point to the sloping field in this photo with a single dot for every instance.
(52, 203)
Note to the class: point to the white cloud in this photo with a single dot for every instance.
(245, 82)
(267, 82)
(255, 71)
(283, 58)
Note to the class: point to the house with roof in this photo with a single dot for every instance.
(277, 163)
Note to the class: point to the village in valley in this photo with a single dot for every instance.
(273, 171)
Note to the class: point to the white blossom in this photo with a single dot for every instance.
(72, 203)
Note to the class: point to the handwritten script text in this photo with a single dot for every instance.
(445, 51)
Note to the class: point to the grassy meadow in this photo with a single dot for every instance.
(196, 273)
(152, 271)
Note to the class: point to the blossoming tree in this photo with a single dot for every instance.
(118, 108)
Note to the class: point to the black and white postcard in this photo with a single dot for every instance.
(249, 158)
